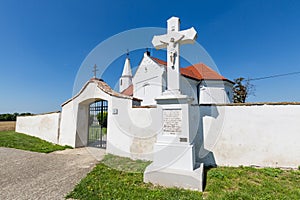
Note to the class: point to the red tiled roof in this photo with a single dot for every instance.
(200, 71)
(159, 61)
(197, 71)
(128, 91)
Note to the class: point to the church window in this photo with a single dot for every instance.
(121, 82)
(145, 86)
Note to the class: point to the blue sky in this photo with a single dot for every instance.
(43, 43)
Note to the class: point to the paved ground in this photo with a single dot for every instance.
(30, 175)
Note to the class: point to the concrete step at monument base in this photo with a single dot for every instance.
(192, 180)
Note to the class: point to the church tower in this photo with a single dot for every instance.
(126, 78)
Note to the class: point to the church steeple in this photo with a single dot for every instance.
(126, 78)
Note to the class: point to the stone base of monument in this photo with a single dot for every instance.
(174, 166)
(192, 180)
(174, 156)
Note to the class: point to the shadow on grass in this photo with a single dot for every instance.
(206, 169)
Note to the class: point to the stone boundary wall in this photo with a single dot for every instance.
(258, 134)
(252, 104)
(44, 126)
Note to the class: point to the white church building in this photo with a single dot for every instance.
(198, 81)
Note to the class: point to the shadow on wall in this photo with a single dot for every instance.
(203, 155)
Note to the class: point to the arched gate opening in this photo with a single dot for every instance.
(97, 129)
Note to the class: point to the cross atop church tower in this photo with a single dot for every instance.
(172, 41)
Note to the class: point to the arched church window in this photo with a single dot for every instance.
(145, 86)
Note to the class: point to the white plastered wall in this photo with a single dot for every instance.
(148, 81)
(189, 87)
(232, 135)
(74, 116)
(215, 92)
(44, 126)
(132, 131)
(264, 135)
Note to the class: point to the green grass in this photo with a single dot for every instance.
(16, 140)
(95, 132)
(252, 183)
(110, 179)
(121, 178)
(125, 164)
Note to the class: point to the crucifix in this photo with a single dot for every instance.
(95, 71)
(172, 41)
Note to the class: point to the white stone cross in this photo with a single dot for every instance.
(172, 40)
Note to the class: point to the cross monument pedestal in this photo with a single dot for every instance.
(174, 154)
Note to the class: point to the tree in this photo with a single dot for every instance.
(242, 89)
(12, 117)
(102, 118)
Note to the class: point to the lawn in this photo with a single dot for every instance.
(122, 178)
(95, 132)
(15, 140)
(252, 183)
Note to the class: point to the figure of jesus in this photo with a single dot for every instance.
(172, 56)
(172, 51)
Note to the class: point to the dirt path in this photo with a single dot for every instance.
(30, 175)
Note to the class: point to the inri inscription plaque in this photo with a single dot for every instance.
(172, 121)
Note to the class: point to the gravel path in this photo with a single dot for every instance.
(30, 175)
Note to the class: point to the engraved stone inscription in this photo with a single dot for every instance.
(172, 121)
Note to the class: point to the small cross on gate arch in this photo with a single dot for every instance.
(95, 69)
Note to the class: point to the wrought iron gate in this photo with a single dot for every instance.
(97, 133)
